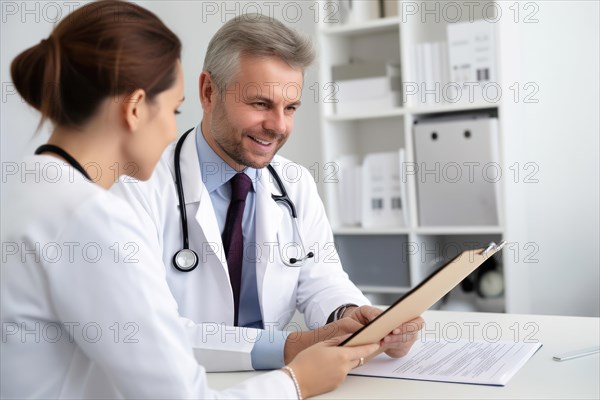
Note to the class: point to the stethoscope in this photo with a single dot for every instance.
(50, 148)
(186, 259)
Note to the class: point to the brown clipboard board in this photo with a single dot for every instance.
(423, 296)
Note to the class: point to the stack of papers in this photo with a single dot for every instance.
(373, 195)
(463, 361)
(471, 59)
(383, 192)
(350, 190)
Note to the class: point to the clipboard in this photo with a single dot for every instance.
(423, 296)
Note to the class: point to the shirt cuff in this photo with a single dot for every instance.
(267, 352)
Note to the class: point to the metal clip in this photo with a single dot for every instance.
(493, 246)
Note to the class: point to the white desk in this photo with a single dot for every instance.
(541, 377)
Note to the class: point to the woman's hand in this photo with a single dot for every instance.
(324, 366)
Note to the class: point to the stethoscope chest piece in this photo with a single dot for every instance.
(185, 260)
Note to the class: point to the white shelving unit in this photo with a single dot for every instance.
(391, 261)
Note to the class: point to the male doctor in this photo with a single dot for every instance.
(245, 289)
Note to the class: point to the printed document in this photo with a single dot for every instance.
(463, 361)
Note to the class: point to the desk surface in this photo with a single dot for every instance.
(540, 377)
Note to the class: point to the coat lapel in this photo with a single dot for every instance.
(268, 220)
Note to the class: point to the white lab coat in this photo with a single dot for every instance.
(204, 295)
(86, 310)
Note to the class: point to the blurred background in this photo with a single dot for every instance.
(429, 128)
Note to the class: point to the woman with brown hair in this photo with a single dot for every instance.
(86, 310)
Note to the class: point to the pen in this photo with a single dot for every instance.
(576, 354)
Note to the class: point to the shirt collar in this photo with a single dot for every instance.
(215, 172)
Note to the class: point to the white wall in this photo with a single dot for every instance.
(560, 133)
(18, 121)
(559, 215)
(194, 22)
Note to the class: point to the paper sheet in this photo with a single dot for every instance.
(476, 362)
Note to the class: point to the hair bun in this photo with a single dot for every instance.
(36, 75)
(88, 57)
(27, 73)
(49, 41)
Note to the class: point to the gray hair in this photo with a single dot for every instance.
(255, 35)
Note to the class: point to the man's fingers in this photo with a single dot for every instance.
(358, 314)
(371, 312)
(402, 340)
(412, 326)
(349, 325)
(342, 327)
(400, 337)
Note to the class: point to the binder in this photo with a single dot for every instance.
(427, 293)
(458, 172)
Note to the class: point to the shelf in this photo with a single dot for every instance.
(394, 112)
(425, 230)
(372, 26)
(459, 230)
(383, 289)
(420, 110)
(446, 108)
(357, 230)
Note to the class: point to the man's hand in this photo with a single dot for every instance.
(298, 341)
(398, 343)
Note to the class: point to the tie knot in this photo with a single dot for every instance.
(240, 186)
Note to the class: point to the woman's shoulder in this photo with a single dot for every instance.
(45, 192)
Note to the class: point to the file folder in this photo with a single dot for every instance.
(458, 172)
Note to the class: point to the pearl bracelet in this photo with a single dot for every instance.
(290, 372)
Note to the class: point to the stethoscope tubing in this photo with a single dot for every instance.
(179, 185)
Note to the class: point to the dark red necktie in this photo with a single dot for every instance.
(233, 241)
